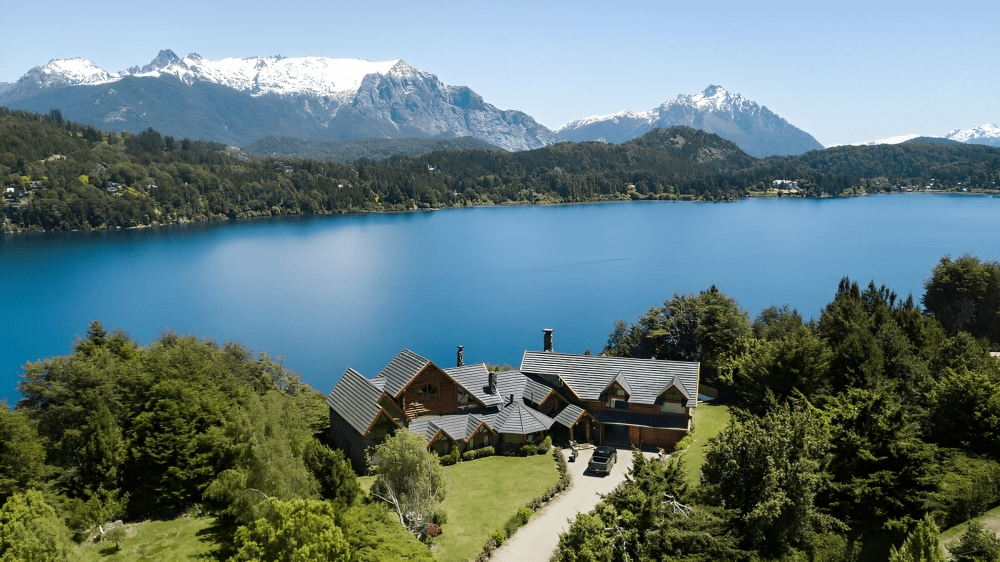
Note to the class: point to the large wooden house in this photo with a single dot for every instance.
(605, 400)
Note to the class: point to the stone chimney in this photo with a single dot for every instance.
(547, 339)
(461, 356)
(493, 383)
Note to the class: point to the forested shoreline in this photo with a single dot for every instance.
(853, 437)
(59, 175)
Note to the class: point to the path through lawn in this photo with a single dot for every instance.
(483, 494)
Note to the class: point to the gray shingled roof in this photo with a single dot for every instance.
(535, 390)
(520, 420)
(424, 427)
(589, 375)
(510, 382)
(569, 415)
(457, 426)
(475, 379)
(355, 398)
(621, 379)
(400, 371)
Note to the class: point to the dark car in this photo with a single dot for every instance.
(603, 459)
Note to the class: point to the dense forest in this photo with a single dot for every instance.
(118, 431)
(856, 436)
(58, 175)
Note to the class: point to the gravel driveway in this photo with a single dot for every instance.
(539, 539)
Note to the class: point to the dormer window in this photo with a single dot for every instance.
(427, 391)
(617, 398)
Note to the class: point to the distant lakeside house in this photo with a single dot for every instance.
(605, 400)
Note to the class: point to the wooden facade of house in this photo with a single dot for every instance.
(608, 400)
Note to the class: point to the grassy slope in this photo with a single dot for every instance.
(708, 421)
(483, 494)
(184, 538)
(990, 520)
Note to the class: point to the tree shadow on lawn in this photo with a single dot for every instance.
(220, 534)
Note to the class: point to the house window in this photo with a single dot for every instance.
(463, 396)
(672, 408)
(428, 391)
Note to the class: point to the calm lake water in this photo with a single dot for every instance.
(328, 293)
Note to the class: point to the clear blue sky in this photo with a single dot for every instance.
(842, 71)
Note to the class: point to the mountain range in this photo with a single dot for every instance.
(754, 128)
(988, 134)
(239, 101)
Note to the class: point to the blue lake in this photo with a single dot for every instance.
(328, 293)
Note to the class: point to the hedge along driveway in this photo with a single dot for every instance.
(483, 494)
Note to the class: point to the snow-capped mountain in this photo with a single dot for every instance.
(240, 100)
(315, 76)
(988, 134)
(753, 128)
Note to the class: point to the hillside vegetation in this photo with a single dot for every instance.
(853, 437)
(58, 175)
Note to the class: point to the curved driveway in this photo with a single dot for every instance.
(539, 539)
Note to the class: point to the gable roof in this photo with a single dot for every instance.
(589, 375)
(355, 399)
(458, 427)
(476, 380)
(535, 389)
(622, 381)
(400, 371)
(570, 415)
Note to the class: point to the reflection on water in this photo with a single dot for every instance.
(333, 292)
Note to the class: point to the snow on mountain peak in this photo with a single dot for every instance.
(316, 76)
(74, 71)
(987, 131)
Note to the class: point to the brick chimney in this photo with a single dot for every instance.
(461, 356)
(547, 339)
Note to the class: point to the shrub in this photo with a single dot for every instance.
(440, 517)
(560, 463)
(528, 450)
(485, 452)
(469, 455)
(545, 446)
(498, 536)
(451, 458)
(524, 514)
(685, 442)
(488, 549)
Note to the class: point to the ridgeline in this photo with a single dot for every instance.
(58, 175)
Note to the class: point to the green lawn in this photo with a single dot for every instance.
(184, 538)
(366, 483)
(990, 520)
(709, 420)
(483, 494)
